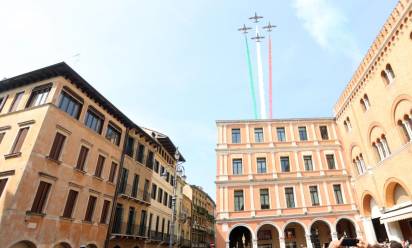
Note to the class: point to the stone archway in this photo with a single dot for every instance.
(268, 236)
(295, 235)
(91, 246)
(62, 245)
(320, 234)
(24, 244)
(345, 227)
(240, 237)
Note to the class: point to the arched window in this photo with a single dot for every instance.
(366, 102)
(388, 75)
(406, 126)
(348, 124)
(359, 163)
(381, 147)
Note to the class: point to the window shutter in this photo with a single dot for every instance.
(105, 210)
(82, 158)
(90, 208)
(19, 140)
(41, 197)
(2, 185)
(112, 172)
(71, 200)
(1, 137)
(57, 146)
(99, 166)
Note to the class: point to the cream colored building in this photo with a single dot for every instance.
(373, 115)
(282, 183)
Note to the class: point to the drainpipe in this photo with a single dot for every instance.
(115, 195)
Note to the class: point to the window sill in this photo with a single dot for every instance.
(54, 160)
(66, 218)
(97, 178)
(79, 171)
(12, 155)
(30, 213)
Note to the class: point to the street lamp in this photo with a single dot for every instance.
(180, 170)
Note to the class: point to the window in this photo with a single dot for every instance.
(90, 208)
(146, 186)
(388, 76)
(365, 102)
(307, 160)
(238, 200)
(135, 185)
(290, 198)
(338, 193)
(330, 159)
(237, 166)
(16, 101)
(105, 212)
(140, 153)
(347, 124)
(160, 195)
(118, 217)
(258, 135)
(281, 133)
(284, 163)
(170, 201)
(264, 199)
(99, 166)
(314, 196)
(3, 100)
(142, 227)
(94, 120)
(165, 197)
(39, 95)
(57, 146)
(113, 134)
(41, 197)
(3, 182)
(81, 161)
(156, 166)
(154, 191)
(123, 180)
(261, 165)
(149, 160)
(112, 173)
(18, 143)
(70, 105)
(71, 201)
(129, 146)
(359, 163)
(236, 136)
(324, 132)
(406, 126)
(130, 221)
(382, 148)
(302, 133)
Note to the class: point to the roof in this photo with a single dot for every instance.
(64, 70)
(277, 120)
(201, 190)
(166, 142)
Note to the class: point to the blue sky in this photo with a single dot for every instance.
(177, 66)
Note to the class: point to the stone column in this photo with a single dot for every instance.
(254, 243)
(394, 231)
(334, 235)
(227, 244)
(308, 241)
(282, 242)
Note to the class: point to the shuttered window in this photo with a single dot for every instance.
(113, 170)
(3, 182)
(71, 201)
(1, 137)
(99, 166)
(57, 146)
(16, 101)
(41, 197)
(105, 211)
(82, 158)
(90, 208)
(19, 140)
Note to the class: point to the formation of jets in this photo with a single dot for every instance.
(255, 19)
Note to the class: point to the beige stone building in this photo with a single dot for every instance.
(203, 218)
(61, 145)
(373, 115)
(282, 183)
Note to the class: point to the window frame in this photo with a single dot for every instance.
(265, 198)
(283, 158)
(94, 113)
(235, 170)
(259, 135)
(74, 98)
(39, 89)
(317, 195)
(312, 167)
(342, 200)
(259, 168)
(303, 133)
(16, 101)
(327, 157)
(237, 200)
(288, 198)
(236, 137)
(115, 130)
(281, 138)
(324, 133)
(60, 153)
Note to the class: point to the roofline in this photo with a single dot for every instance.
(277, 120)
(208, 196)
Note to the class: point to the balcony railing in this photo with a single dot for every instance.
(135, 194)
(131, 230)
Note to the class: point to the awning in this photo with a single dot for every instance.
(398, 214)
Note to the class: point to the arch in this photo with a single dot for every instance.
(267, 223)
(389, 191)
(91, 246)
(295, 221)
(320, 233)
(355, 151)
(295, 234)
(349, 220)
(375, 131)
(240, 225)
(396, 102)
(332, 228)
(62, 244)
(268, 234)
(365, 206)
(117, 246)
(241, 236)
(24, 244)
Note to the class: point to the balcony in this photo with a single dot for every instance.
(137, 195)
(184, 243)
(126, 230)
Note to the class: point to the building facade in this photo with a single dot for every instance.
(373, 115)
(203, 218)
(282, 183)
(61, 142)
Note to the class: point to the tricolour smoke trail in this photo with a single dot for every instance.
(260, 79)
(270, 78)
(251, 83)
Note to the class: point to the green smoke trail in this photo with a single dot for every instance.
(252, 85)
